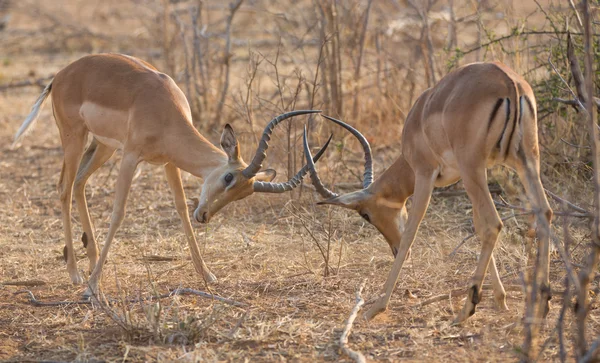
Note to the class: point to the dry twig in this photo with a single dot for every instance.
(177, 291)
(24, 283)
(233, 8)
(586, 275)
(356, 356)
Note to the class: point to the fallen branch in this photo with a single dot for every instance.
(187, 291)
(24, 283)
(354, 355)
(36, 302)
(178, 291)
(157, 258)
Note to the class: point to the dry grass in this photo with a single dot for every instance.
(262, 256)
(259, 249)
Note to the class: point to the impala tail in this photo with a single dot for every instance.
(33, 115)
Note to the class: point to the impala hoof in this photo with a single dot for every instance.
(76, 278)
(465, 313)
(458, 320)
(500, 302)
(210, 277)
(374, 310)
(90, 293)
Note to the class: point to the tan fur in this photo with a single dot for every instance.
(124, 102)
(455, 131)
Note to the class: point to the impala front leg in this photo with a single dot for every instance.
(423, 188)
(174, 179)
(126, 172)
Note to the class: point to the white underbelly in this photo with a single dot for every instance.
(107, 125)
(114, 143)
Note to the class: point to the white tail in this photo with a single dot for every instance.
(33, 115)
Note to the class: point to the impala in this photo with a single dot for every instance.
(126, 103)
(479, 115)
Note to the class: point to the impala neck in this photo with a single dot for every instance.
(397, 182)
(190, 151)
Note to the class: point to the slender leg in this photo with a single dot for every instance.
(126, 172)
(73, 148)
(174, 179)
(95, 156)
(499, 292)
(423, 188)
(529, 173)
(487, 225)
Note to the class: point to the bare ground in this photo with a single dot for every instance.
(263, 257)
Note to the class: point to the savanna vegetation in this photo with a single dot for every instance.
(288, 270)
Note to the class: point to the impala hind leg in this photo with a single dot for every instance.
(95, 156)
(126, 172)
(499, 292)
(423, 187)
(488, 226)
(73, 144)
(174, 179)
(528, 169)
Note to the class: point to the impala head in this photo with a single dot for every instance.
(388, 218)
(371, 204)
(236, 180)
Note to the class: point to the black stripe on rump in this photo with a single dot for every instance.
(494, 112)
(505, 122)
(530, 105)
(517, 121)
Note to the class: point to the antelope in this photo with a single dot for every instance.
(126, 103)
(477, 116)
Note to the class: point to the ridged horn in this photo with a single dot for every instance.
(314, 177)
(267, 187)
(263, 145)
(368, 175)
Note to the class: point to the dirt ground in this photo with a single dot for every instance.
(263, 258)
(262, 250)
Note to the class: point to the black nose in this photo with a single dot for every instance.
(200, 218)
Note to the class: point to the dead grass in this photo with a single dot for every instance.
(261, 253)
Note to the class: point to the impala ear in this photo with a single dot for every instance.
(266, 175)
(350, 200)
(230, 144)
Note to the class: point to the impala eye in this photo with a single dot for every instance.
(228, 178)
(366, 217)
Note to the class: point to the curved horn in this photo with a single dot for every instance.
(261, 154)
(264, 187)
(368, 175)
(314, 177)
